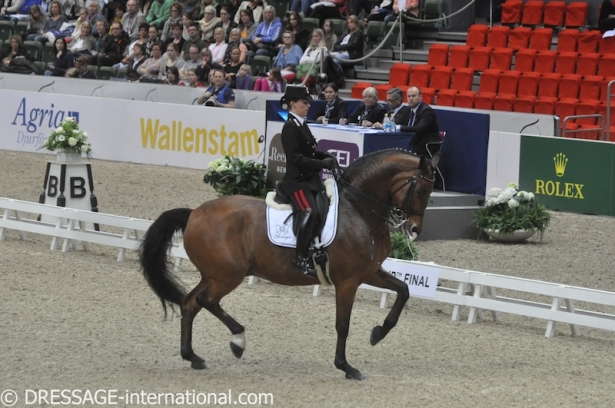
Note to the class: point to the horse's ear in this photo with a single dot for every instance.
(435, 160)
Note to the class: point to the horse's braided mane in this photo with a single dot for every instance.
(365, 163)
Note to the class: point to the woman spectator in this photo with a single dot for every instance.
(84, 44)
(128, 54)
(370, 111)
(186, 21)
(120, 9)
(53, 24)
(152, 38)
(302, 6)
(310, 62)
(301, 32)
(232, 68)
(172, 76)
(255, 6)
(101, 39)
(83, 15)
(350, 46)
(335, 109)
(218, 48)
(323, 11)
(63, 59)
(149, 69)
(200, 11)
(177, 38)
(137, 59)
(247, 27)
(174, 18)
(170, 60)
(244, 78)
(206, 66)
(235, 42)
(94, 13)
(225, 22)
(273, 82)
(36, 22)
(15, 58)
(330, 37)
(288, 56)
(208, 24)
(159, 12)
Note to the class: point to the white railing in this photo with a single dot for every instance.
(475, 290)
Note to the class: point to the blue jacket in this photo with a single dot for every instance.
(269, 33)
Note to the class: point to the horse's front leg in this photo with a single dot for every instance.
(382, 279)
(344, 299)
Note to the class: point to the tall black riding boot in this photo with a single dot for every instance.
(304, 235)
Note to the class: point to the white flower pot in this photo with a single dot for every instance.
(63, 156)
(514, 236)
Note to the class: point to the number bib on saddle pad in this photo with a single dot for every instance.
(280, 222)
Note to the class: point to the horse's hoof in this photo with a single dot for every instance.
(237, 351)
(354, 374)
(198, 364)
(376, 336)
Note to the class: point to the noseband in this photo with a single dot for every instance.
(401, 215)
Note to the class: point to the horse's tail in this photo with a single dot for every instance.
(153, 253)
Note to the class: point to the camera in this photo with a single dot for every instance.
(211, 101)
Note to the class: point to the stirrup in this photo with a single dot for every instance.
(302, 265)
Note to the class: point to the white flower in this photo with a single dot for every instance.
(60, 130)
(494, 192)
(72, 141)
(222, 168)
(512, 203)
(70, 119)
(75, 132)
(529, 196)
(85, 135)
(84, 149)
(61, 138)
(491, 202)
(513, 185)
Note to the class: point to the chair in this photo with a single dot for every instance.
(532, 13)
(465, 99)
(339, 26)
(479, 58)
(281, 7)
(20, 27)
(441, 78)
(433, 148)
(567, 39)
(588, 108)
(541, 38)
(34, 48)
(519, 38)
(589, 41)
(260, 64)
(587, 64)
(489, 81)
(545, 61)
(607, 45)
(576, 14)
(504, 103)
(48, 52)
(606, 65)
(382, 91)
(446, 97)
(566, 62)
(554, 14)
(565, 108)
(509, 82)
(105, 73)
(501, 58)
(545, 106)
(462, 79)
(94, 70)
(373, 33)
(528, 83)
(524, 60)
(477, 35)
(438, 55)
(511, 11)
(399, 74)
(393, 40)
(590, 87)
(548, 85)
(311, 23)
(524, 104)
(498, 37)
(459, 55)
(604, 89)
(420, 76)
(569, 86)
(357, 89)
(6, 29)
(484, 101)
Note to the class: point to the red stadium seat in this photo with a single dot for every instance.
(498, 37)
(548, 85)
(504, 103)
(399, 74)
(607, 45)
(524, 104)
(358, 88)
(458, 57)
(484, 101)
(438, 55)
(532, 13)
(477, 35)
(441, 78)
(528, 84)
(429, 95)
(420, 76)
(446, 97)
(565, 108)
(554, 14)
(541, 39)
(590, 87)
(465, 99)
(576, 14)
(606, 65)
(545, 106)
(462, 79)
(545, 61)
(569, 86)
(489, 81)
(589, 41)
(501, 58)
(382, 91)
(587, 64)
(566, 62)
(479, 58)
(568, 39)
(519, 38)
(588, 108)
(524, 60)
(509, 82)
(511, 11)
(604, 89)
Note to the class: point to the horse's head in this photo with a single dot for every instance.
(410, 193)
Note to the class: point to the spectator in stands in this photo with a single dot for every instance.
(194, 39)
(133, 19)
(234, 7)
(175, 17)
(235, 42)
(63, 59)
(232, 68)
(300, 31)
(247, 28)
(36, 22)
(193, 80)
(218, 48)
(302, 6)
(289, 55)
(191, 62)
(149, 69)
(350, 45)
(72, 9)
(225, 22)
(272, 83)
(128, 55)
(244, 77)
(81, 69)
(223, 96)
(101, 39)
(213, 3)
(52, 26)
(120, 10)
(606, 17)
(206, 66)
(335, 109)
(420, 119)
(152, 38)
(176, 38)
(329, 34)
(159, 12)
(14, 54)
(114, 49)
(94, 13)
(137, 59)
(193, 8)
(356, 6)
(18, 7)
(83, 13)
(186, 21)
(255, 6)
(208, 24)
(395, 97)
(172, 76)
(412, 10)
(323, 11)
(382, 12)
(84, 43)
(267, 34)
(170, 59)
(370, 111)
(310, 62)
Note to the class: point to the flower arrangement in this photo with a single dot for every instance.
(232, 175)
(402, 247)
(510, 209)
(68, 137)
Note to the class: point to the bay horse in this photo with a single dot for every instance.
(226, 239)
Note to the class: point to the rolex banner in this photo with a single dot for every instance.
(568, 174)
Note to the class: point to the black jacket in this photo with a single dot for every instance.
(303, 162)
(354, 46)
(339, 111)
(425, 127)
(376, 114)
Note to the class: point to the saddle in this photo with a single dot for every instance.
(322, 209)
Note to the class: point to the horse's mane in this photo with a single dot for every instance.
(370, 161)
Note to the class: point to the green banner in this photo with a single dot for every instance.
(568, 174)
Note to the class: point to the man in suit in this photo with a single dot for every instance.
(396, 109)
(421, 119)
(370, 111)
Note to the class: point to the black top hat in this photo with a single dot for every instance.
(294, 93)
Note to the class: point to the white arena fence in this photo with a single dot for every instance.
(477, 291)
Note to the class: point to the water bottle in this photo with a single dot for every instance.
(388, 123)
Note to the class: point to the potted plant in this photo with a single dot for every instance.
(68, 141)
(511, 215)
(232, 175)
(402, 247)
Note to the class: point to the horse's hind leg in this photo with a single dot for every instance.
(344, 299)
(382, 279)
(190, 308)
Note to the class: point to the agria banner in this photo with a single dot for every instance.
(568, 174)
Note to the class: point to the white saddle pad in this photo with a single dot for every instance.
(281, 233)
